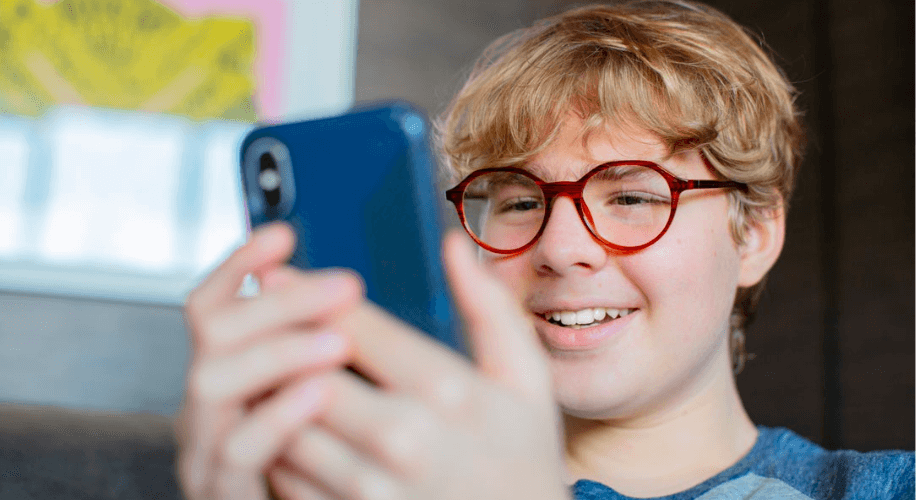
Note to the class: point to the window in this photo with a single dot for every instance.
(117, 205)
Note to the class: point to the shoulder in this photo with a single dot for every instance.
(821, 474)
(785, 466)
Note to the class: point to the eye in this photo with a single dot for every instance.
(631, 198)
(520, 205)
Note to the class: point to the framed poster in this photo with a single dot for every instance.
(120, 122)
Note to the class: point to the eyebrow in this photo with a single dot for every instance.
(542, 173)
(625, 172)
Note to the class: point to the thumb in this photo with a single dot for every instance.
(500, 333)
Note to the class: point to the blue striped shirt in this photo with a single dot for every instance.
(783, 465)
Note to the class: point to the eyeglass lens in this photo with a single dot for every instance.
(629, 206)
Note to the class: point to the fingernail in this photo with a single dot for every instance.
(319, 348)
(329, 344)
(305, 401)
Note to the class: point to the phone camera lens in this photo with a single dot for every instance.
(269, 179)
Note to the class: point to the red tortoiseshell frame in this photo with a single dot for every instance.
(574, 190)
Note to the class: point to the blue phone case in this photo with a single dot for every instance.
(359, 191)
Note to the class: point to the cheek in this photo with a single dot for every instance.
(690, 282)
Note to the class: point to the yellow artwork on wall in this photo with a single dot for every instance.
(127, 54)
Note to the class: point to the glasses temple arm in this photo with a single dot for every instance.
(710, 184)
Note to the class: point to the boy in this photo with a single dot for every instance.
(624, 172)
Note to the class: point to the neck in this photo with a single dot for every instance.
(665, 451)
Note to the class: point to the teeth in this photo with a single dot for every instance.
(585, 316)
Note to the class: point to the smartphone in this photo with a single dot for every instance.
(359, 191)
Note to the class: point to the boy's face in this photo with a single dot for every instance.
(680, 290)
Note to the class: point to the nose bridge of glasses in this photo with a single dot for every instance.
(573, 190)
(565, 188)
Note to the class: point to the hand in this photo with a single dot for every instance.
(435, 426)
(246, 349)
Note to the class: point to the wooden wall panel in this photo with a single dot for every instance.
(873, 108)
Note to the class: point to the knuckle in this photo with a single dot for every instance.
(403, 441)
(205, 385)
(372, 485)
(450, 393)
(234, 453)
(205, 328)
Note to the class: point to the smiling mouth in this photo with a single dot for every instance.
(584, 318)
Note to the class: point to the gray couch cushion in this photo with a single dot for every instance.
(54, 453)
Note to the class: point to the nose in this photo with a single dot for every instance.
(566, 245)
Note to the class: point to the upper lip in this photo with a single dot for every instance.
(542, 310)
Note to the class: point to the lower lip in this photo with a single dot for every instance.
(579, 339)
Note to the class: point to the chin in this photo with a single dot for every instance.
(591, 389)
(592, 408)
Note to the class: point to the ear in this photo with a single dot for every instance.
(762, 245)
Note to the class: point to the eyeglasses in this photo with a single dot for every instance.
(626, 205)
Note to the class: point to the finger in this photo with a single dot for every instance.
(196, 466)
(398, 435)
(270, 245)
(263, 435)
(237, 467)
(232, 379)
(308, 298)
(291, 485)
(501, 335)
(400, 358)
(235, 486)
(218, 388)
(278, 277)
(339, 469)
